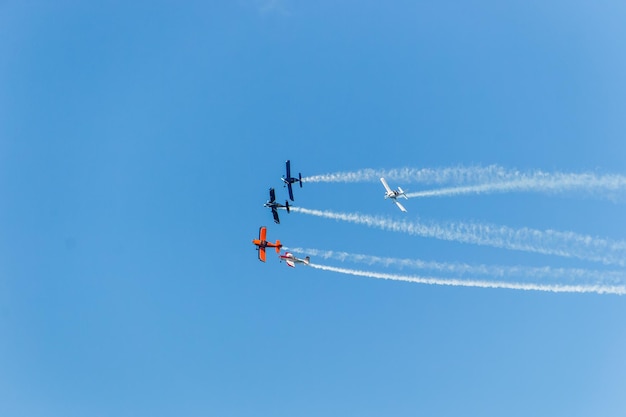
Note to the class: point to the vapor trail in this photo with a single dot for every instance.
(460, 269)
(423, 175)
(553, 185)
(477, 179)
(598, 289)
(548, 242)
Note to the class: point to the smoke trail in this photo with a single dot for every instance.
(461, 269)
(598, 289)
(422, 175)
(548, 242)
(478, 179)
(553, 185)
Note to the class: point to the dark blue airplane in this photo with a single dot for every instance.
(288, 179)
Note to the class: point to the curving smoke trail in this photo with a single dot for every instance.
(598, 289)
(548, 242)
(477, 180)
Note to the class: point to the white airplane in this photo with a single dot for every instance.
(292, 260)
(394, 194)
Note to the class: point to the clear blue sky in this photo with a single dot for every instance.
(138, 142)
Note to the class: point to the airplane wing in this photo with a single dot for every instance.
(400, 206)
(385, 185)
(290, 263)
(262, 233)
(275, 214)
(262, 254)
(272, 195)
(290, 191)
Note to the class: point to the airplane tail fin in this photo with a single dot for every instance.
(307, 259)
(278, 246)
(300, 179)
(287, 205)
(402, 193)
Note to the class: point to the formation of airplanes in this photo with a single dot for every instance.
(262, 243)
(291, 260)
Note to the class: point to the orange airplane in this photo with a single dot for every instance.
(261, 243)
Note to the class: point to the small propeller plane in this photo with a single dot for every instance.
(292, 260)
(271, 203)
(394, 194)
(289, 180)
(262, 243)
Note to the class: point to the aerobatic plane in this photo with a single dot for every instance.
(292, 260)
(289, 180)
(394, 194)
(261, 243)
(274, 205)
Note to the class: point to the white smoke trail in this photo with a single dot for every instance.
(553, 185)
(461, 269)
(598, 289)
(548, 242)
(457, 175)
(476, 179)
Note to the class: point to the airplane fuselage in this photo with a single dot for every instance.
(272, 205)
(394, 194)
(266, 244)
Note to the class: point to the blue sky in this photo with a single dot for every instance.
(137, 146)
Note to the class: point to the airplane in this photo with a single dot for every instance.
(288, 179)
(394, 194)
(271, 203)
(292, 260)
(261, 243)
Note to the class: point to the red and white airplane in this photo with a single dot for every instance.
(261, 243)
(292, 260)
(394, 194)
